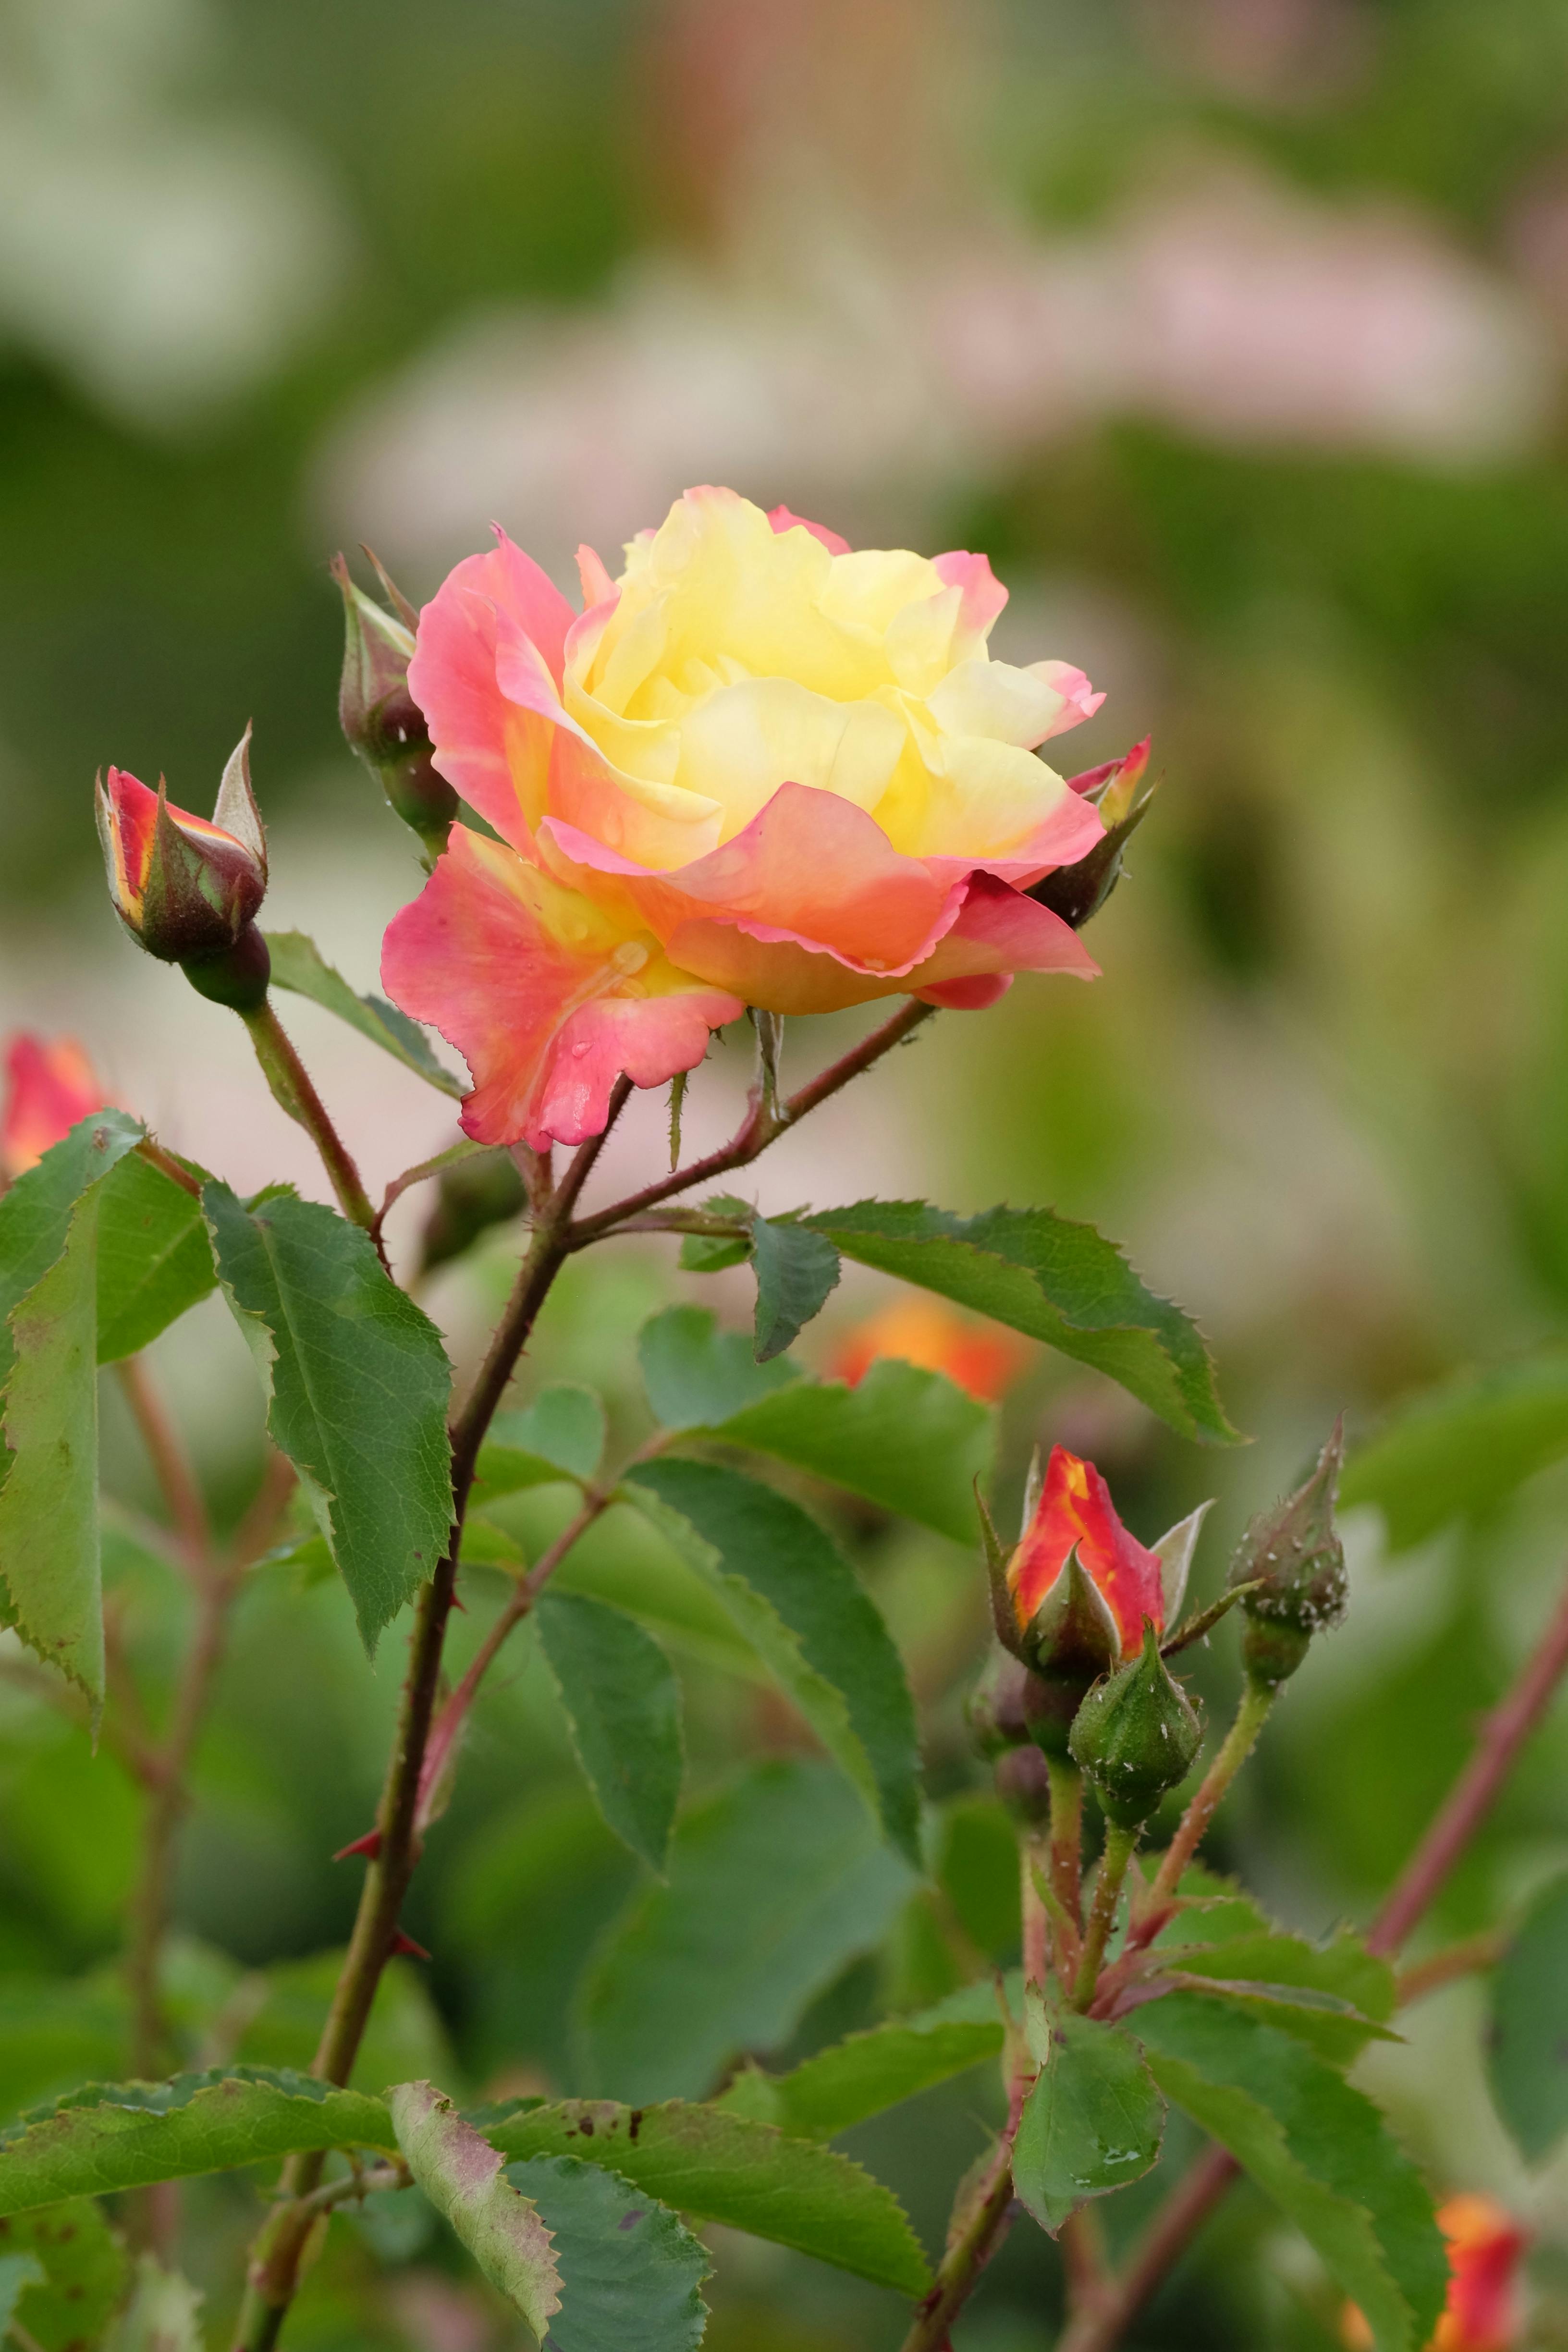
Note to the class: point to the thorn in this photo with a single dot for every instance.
(403, 1943)
(369, 1846)
(458, 1602)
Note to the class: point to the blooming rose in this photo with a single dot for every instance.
(1075, 1508)
(923, 1331)
(1482, 2314)
(49, 1086)
(759, 769)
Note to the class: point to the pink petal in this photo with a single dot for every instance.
(1065, 835)
(1079, 700)
(598, 587)
(546, 999)
(781, 519)
(983, 597)
(810, 868)
(999, 930)
(495, 754)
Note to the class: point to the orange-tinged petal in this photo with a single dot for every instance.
(547, 997)
(924, 1331)
(49, 1086)
(1485, 2247)
(1075, 1507)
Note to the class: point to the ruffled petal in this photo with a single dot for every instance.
(1079, 700)
(998, 932)
(781, 519)
(810, 868)
(491, 749)
(983, 597)
(546, 996)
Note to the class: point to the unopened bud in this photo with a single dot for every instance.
(384, 724)
(187, 889)
(1024, 1784)
(1119, 792)
(995, 1708)
(1293, 1557)
(1134, 1738)
(471, 1196)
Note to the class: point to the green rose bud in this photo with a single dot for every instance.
(1135, 1736)
(1293, 1556)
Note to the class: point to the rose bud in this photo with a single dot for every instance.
(1135, 1736)
(1482, 2314)
(382, 723)
(995, 1708)
(471, 1196)
(49, 1086)
(188, 891)
(1293, 1556)
(1120, 795)
(925, 1332)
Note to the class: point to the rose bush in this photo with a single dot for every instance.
(758, 769)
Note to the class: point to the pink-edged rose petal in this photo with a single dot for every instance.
(547, 1000)
(781, 519)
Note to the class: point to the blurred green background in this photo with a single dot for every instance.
(1235, 332)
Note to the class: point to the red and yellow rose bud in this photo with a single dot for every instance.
(925, 1332)
(1486, 2246)
(384, 725)
(1081, 1584)
(188, 889)
(50, 1085)
(1294, 1559)
(1120, 795)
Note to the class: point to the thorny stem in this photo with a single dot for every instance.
(1192, 2200)
(275, 2263)
(1120, 1844)
(979, 2235)
(1257, 1699)
(293, 1091)
(1033, 1874)
(1067, 1835)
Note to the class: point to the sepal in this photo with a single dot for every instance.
(384, 725)
(1121, 795)
(1174, 1553)
(1073, 1634)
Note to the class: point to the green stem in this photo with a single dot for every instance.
(1120, 1846)
(967, 2257)
(293, 1091)
(1066, 1834)
(1257, 1699)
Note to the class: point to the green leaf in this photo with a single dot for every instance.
(1339, 2035)
(460, 2173)
(298, 964)
(113, 2136)
(725, 2167)
(560, 1435)
(1528, 2039)
(796, 1271)
(1458, 1451)
(83, 2268)
(696, 1374)
(907, 1439)
(1091, 2124)
(631, 2275)
(153, 1257)
(162, 2315)
(623, 1706)
(1342, 1968)
(873, 2071)
(1316, 2146)
(51, 1581)
(798, 1602)
(712, 1253)
(775, 1885)
(357, 1383)
(1055, 1280)
(36, 1211)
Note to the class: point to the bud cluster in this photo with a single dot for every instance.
(1081, 1611)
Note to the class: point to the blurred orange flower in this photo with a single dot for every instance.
(922, 1331)
(1484, 2244)
(48, 1087)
